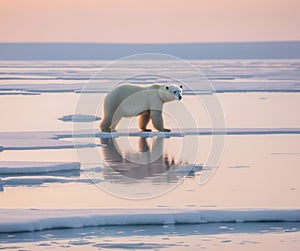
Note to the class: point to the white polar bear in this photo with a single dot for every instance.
(130, 100)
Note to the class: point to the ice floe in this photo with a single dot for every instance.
(20, 220)
(26, 167)
(37, 141)
(79, 118)
(55, 139)
(186, 132)
(40, 180)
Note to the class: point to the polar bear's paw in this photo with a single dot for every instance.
(107, 130)
(146, 130)
(165, 130)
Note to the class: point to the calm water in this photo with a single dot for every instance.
(254, 170)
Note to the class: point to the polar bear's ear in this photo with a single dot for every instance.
(180, 86)
(167, 87)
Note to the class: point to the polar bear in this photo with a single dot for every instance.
(129, 100)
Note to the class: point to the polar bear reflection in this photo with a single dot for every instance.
(147, 162)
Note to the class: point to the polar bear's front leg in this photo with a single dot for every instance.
(106, 124)
(115, 121)
(110, 122)
(157, 120)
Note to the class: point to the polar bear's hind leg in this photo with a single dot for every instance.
(144, 119)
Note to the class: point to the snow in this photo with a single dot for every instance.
(26, 167)
(21, 220)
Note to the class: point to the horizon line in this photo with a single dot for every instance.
(112, 51)
(139, 43)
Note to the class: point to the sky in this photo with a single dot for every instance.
(145, 21)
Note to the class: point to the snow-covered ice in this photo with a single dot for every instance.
(39, 180)
(180, 132)
(79, 118)
(19, 220)
(55, 139)
(227, 76)
(26, 167)
(266, 144)
(36, 141)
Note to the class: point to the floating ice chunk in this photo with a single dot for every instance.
(18, 167)
(34, 180)
(79, 118)
(18, 92)
(38, 140)
(39, 180)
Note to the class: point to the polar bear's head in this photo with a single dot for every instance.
(170, 92)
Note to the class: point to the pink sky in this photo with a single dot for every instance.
(145, 21)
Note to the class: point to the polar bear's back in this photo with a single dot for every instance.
(134, 98)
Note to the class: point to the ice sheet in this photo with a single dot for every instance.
(225, 75)
(185, 132)
(55, 139)
(20, 220)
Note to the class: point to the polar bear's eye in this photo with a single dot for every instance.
(174, 92)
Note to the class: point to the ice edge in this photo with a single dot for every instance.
(27, 220)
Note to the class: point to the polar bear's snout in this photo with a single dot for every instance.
(178, 95)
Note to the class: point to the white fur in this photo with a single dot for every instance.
(130, 100)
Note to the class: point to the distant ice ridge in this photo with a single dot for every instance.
(17, 92)
(25, 220)
(28, 78)
(79, 118)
